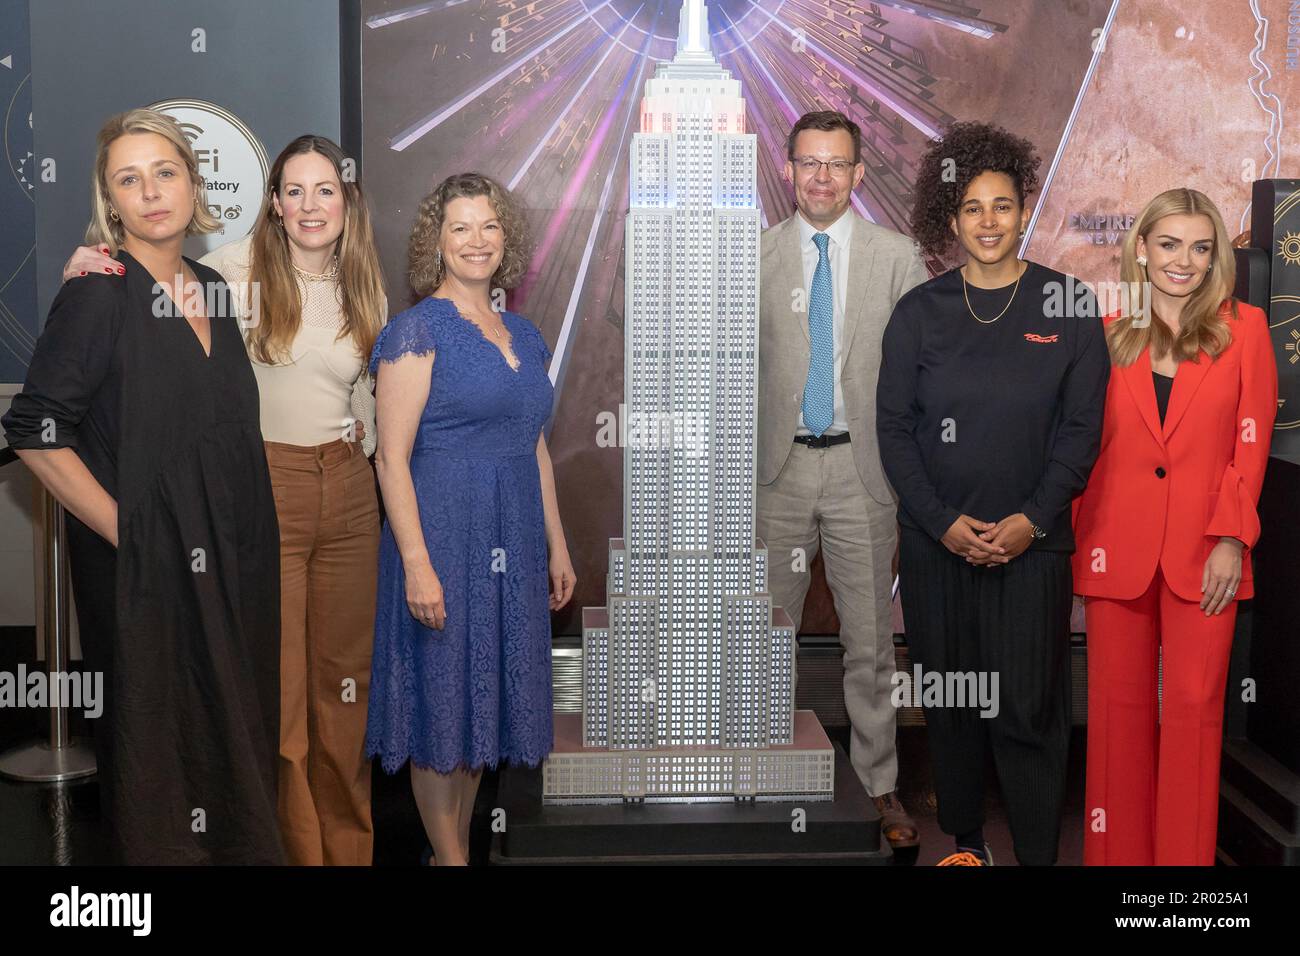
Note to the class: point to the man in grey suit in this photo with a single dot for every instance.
(829, 283)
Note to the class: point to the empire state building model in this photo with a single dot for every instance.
(687, 671)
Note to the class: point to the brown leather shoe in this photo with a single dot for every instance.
(895, 823)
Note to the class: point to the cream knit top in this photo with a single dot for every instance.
(314, 397)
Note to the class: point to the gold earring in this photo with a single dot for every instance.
(112, 214)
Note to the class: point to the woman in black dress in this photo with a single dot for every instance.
(140, 415)
(988, 412)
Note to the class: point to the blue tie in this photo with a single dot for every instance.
(819, 391)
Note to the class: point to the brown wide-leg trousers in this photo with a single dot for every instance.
(329, 552)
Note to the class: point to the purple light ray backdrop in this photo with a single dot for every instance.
(544, 97)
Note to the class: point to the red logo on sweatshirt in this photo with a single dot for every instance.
(1031, 337)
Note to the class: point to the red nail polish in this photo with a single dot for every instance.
(83, 273)
(121, 272)
(108, 271)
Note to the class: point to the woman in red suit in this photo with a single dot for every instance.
(1164, 530)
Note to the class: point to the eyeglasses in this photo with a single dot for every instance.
(810, 167)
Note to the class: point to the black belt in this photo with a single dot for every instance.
(825, 441)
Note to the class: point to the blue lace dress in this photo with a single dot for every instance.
(477, 693)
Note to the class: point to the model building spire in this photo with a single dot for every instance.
(693, 29)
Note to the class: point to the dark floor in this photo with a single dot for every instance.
(60, 823)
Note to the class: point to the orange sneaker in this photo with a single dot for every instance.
(967, 858)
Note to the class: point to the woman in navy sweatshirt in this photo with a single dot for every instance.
(989, 410)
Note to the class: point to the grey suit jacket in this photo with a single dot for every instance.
(884, 265)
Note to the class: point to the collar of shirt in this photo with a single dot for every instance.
(840, 231)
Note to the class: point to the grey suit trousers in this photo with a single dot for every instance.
(818, 501)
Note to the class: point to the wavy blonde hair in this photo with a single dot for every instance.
(360, 279)
(426, 269)
(1201, 326)
(103, 229)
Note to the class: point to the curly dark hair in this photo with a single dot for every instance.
(963, 152)
(425, 268)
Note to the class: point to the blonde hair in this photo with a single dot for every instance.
(103, 229)
(426, 270)
(1201, 325)
(360, 279)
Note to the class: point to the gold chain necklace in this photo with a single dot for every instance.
(966, 295)
(328, 275)
(497, 332)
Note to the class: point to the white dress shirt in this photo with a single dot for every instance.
(837, 252)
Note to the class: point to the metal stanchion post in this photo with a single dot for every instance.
(61, 757)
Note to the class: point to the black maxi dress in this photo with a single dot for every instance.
(183, 618)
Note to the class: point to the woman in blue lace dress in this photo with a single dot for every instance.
(472, 556)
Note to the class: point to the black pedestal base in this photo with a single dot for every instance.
(1259, 808)
(845, 830)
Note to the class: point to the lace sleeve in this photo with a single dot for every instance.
(411, 332)
(539, 341)
(363, 410)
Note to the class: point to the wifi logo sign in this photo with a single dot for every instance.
(206, 157)
(231, 163)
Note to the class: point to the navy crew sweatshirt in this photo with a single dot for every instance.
(990, 418)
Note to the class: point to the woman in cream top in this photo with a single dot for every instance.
(316, 397)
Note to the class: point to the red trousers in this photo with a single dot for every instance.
(1152, 792)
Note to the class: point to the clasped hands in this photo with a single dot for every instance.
(986, 543)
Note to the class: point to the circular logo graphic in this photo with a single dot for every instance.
(1289, 249)
(232, 163)
(18, 139)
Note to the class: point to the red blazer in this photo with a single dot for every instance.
(1165, 495)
